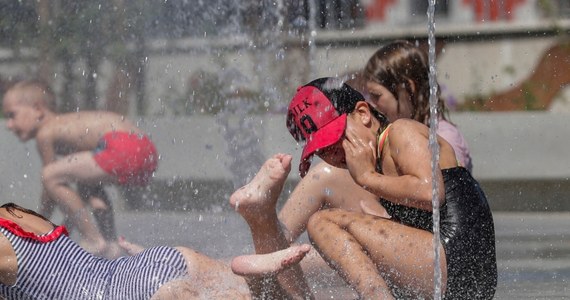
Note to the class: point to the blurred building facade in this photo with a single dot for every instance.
(199, 78)
(173, 57)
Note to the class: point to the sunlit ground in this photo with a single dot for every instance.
(533, 249)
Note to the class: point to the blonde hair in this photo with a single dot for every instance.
(35, 92)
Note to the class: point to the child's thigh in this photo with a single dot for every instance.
(403, 254)
(183, 289)
(80, 166)
(208, 277)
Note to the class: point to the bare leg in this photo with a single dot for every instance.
(212, 278)
(56, 179)
(269, 264)
(96, 197)
(102, 208)
(256, 202)
(249, 265)
(369, 252)
(260, 270)
(208, 278)
(324, 186)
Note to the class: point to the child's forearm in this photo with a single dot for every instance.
(405, 190)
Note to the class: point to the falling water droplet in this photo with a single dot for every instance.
(280, 54)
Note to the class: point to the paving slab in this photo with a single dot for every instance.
(533, 249)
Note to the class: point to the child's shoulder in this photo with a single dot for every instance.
(85, 117)
(408, 127)
(404, 123)
(67, 123)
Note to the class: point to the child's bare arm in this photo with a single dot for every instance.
(46, 150)
(45, 143)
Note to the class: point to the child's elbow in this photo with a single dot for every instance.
(48, 177)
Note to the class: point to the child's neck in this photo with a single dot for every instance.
(46, 117)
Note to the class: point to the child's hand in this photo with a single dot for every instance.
(360, 156)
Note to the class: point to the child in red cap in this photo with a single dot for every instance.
(393, 161)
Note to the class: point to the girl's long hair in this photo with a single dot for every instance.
(394, 66)
(11, 207)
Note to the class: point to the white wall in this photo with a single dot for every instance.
(503, 145)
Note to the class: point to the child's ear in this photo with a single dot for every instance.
(40, 109)
(362, 109)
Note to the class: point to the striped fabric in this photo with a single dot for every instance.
(62, 270)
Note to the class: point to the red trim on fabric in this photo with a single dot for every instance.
(19, 231)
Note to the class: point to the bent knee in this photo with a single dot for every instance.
(49, 177)
(321, 218)
(53, 175)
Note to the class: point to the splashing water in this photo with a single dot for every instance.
(434, 147)
(312, 36)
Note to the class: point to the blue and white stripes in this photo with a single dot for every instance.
(63, 270)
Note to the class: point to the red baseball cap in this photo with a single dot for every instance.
(317, 115)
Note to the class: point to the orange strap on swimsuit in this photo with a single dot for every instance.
(382, 138)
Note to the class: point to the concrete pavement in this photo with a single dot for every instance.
(533, 249)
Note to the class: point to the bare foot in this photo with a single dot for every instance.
(130, 248)
(262, 192)
(269, 264)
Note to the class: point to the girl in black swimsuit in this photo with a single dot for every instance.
(388, 258)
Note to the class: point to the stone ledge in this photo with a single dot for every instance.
(513, 154)
(213, 195)
(186, 195)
